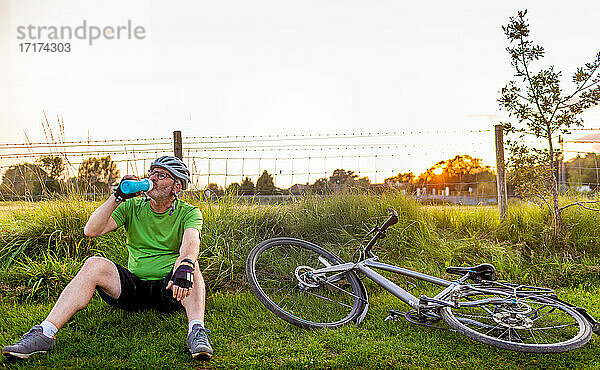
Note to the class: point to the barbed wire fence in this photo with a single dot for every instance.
(292, 160)
(580, 166)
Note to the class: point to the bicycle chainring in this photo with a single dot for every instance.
(429, 320)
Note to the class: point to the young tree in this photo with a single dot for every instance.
(403, 180)
(342, 177)
(214, 189)
(53, 165)
(247, 187)
(537, 105)
(320, 186)
(400, 178)
(363, 182)
(265, 184)
(25, 180)
(98, 173)
(233, 189)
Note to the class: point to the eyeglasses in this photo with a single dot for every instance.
(160, 175)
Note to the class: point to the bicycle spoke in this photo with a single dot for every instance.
(342, 290)
(284, 297)
(284, 287)
(518, 337)
(492, 329)
(544, 315)
(556, 327)
(296, 302)
(327, 299)
(533, 336)
(502, 335)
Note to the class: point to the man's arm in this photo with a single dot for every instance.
(190, 248)
(100, 221)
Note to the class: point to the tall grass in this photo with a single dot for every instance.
(43, 246)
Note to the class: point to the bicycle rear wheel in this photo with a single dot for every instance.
(517, 320)
(279, 271)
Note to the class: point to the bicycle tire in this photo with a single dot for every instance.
(277, 273)
(525, 322)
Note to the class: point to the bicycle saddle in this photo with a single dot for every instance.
(485, 271)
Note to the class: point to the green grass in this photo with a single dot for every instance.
(42, 246)
(245, 335)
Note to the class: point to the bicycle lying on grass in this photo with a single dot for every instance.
(311, 287)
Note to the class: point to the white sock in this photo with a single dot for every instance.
(48, 329)
(194, 322)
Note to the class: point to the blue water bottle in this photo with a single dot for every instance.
(134, 186)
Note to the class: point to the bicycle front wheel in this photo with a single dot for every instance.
(518, 321)
(280, 273)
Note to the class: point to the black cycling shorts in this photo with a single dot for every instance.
(139, 294)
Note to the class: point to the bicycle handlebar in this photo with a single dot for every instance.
(393, 219)
(380, 231)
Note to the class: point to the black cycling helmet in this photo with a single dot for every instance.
(175, 166)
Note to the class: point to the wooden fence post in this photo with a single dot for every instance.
(177, 145)
(501, 176)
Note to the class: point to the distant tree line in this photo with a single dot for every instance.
(462, 175)
(45, 177)
(265, 185)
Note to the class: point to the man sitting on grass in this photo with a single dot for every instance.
(163, 241)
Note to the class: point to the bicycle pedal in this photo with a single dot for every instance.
(394, 315)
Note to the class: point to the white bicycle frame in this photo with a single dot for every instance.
(424, 303)
(366, 267)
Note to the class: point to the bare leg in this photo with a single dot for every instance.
(194, 304)
(96, 272)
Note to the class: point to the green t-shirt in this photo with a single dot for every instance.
(154, 239)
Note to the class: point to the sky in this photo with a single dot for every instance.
(214, 68)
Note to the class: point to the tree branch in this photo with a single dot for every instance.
(544, 201)
(562, 104)
(581, 204)
(581, 87)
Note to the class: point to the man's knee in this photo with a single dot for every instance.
(98, 268)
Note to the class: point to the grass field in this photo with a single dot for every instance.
(245, 335)
(42, 246)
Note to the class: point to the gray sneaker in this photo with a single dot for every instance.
(198, 342)
(32, 342)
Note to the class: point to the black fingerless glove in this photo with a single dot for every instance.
(184, 276)
(120, 196)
